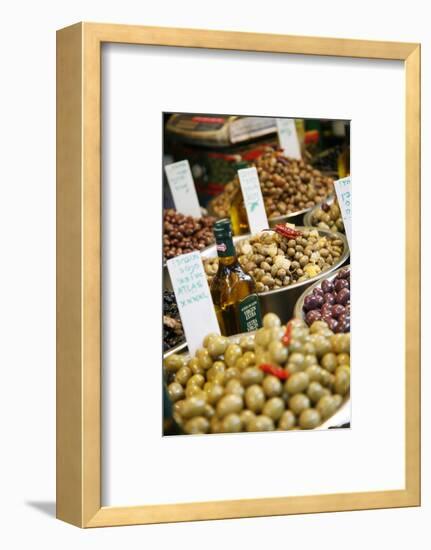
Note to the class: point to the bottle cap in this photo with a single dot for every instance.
(222, 228)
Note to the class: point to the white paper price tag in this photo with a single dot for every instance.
(343, 189)
(288, 138)
(183, 189)
(253, 200)
(193, 298)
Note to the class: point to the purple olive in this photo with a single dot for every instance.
(332, 324)
(337, 310)
(312, 316)
(312, 302)
(326, 310)
(329, 298)
(341, 283)
(343, 273)
(327, 286)
(325, 207)
(343, 296)
(318, 292)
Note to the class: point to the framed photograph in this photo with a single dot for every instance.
(214, 286)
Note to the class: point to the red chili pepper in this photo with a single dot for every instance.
(280, 373)
(287, 232)
(287, 335)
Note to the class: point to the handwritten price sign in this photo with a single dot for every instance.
(253, 200)
(183, 189)
(343, 189)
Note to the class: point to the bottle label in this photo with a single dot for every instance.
(226, 248)
(249, 314)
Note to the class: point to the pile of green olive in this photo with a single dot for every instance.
(279, 378)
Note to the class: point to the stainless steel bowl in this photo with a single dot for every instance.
(341, 417)
(282, 301)
(299, 306)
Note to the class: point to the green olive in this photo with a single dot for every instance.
(234, 386)
(217, 346)
(262, 337)
(297, 359)
(214, 392)
(209, 411)
(251, 375)
(231, 373)
(343, 359)
(250, 357)
(208, 338)
(174, 362)
(204, 358)
(216, 372)
(322, 345)
(260, 423)
(287, 421)
(271, 320)
(298, 403)
(308, 349)
(314, 373)
(195, 367)
(297, 383)
(340, 343)
(175, 391)
(329, 361)
(241, 363)
(278, 352)
(272, 386)
(317, 326)
(309, 419)
(315, 391)
(230, 403)
(274, 408)
(327, 405)
(296, 346)
(193, 389)
(254, 398)
(309, 360)
(215, 425)
(327, 379)
(247, 342)
(197, 425)
(197, 379)
(276, 334)
(192, 406)
(342, 381)
(232, 354)
(246, 415)
(231, 423)
(183, 375)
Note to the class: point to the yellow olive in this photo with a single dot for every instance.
(174, 362)
(246, 415)
(204, 358)
(197, 379)
(195, 367)
(271, 320)
(192, 406)
(250, 357)
(262, 337)
(183, 375)
(209, 337)
(193, 389)
(247, 342)
(329, 361)
(314, 373)
(217, 346)
(234, 386)
(215, 425)
(342, 381)
(231, 374)
(343, 359)
(214, 392)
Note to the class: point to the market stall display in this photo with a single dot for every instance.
(328, 300)
(279, 378)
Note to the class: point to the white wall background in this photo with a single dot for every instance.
(27, 274)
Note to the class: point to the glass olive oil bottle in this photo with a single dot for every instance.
(233, 291)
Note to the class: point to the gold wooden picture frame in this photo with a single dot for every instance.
(79, 274)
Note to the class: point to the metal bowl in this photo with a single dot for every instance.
(299, 306)
(341, 417)
(282, 301)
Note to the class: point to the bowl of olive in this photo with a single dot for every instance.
(279, 378)
(284, 264)
(326, 215)
(329, 300)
